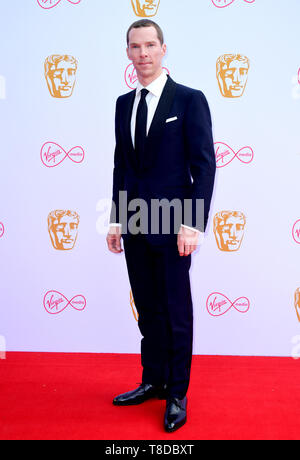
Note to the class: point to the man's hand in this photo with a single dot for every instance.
(114, 239)
(187, 241)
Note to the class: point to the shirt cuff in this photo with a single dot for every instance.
(191, 228)
(115, 224)
(201, 234)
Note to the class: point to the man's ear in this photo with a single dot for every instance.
(127, 51)
(164, 48)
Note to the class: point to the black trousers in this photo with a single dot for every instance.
(160, 284)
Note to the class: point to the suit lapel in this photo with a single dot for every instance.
(127, 123)
(159, 123)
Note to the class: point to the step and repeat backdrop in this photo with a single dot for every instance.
(63, 64)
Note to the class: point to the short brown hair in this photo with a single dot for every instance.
(146, 23)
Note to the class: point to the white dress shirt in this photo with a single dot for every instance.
(155, 90)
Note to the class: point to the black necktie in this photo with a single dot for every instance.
(141, 126)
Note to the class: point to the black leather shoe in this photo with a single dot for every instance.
(144, 392)
(175, 415)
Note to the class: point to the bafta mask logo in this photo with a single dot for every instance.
(224, 3)
(133, 308)
(1, 229)
(54, 302)
(145, 8)
(229, 229)
(218, 304)
(63, 229)
(53, 154)
(296, 231)
(225, 154)
(47, 4)
(232, 74)
(60, 74)
(130, 76)
(297, 303)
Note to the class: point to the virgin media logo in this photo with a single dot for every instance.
(53, 154)
(296, 231)
(218, 304)
(48, 4)
(224, 3)
(131, 76)
(55, 302)
(225, 154)
(1, 229)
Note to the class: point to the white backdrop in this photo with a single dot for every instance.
(78, 300)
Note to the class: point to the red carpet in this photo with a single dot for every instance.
(68, 396)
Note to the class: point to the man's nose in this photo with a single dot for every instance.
(143, 51)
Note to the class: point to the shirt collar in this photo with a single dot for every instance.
(156, 86)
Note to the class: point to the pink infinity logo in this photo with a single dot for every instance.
(55, 302)
(47, 4)
(1, 229)
(224, 3)
(218, 304)
(296, 231)
(52, 154)
(131, 76)
(225, 154)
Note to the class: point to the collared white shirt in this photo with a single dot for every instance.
(155, 89)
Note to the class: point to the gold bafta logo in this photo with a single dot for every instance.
(133, 307)
(232, 74)
(297, 303)
(145, 8)
(229, 227)
(63, 229)
(60, 74)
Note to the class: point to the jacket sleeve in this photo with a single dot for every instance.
(201, 156)
(118, 171)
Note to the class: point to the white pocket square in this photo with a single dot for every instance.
(171, 119)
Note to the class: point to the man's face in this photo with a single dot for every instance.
(146, 52)
(233, 78)
(61, 79)
(229, 233)
(63, 232)
(145, 8)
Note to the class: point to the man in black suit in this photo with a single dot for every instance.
(164, 153)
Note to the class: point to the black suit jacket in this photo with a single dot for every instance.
(179, 160)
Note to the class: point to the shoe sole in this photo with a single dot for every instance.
(134, 403)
